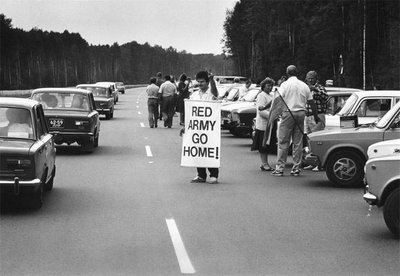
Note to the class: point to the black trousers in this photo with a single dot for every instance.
(202, 172)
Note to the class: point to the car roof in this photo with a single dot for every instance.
(61, 90)
(384, 93)
(333, 89)
(230, 77)
(105, 82)
(17, 102)
(103, 85)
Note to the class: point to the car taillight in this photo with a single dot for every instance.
(81, 123)
(18, 163)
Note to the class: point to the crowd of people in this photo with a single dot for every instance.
(303, 112)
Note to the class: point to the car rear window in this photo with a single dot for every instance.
(67, 101)
(15, 123)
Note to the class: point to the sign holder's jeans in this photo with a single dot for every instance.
(290, 129)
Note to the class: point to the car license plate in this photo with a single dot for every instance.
(58, 123)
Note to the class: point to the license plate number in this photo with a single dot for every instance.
(56, 123)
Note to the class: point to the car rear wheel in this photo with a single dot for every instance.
(89, 146)
(391, 212)
(96, 141)
(49, 185)
(345, 168)
(108, 116)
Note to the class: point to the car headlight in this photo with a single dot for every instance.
(235, 117)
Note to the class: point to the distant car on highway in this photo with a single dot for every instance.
(71, 116)
(343, 152)
(27, 150)
(114, 89)
(120, 87)
(103, 98)
(382, 181)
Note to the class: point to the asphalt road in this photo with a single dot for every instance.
(129, 209)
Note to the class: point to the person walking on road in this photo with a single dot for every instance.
(296, 95)
(320, 98)
(207, 92)
(183, 93)
(152, 102)
(263, 104)
(158, 83)
(167, 92)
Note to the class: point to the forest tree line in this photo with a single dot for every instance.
(37, 58)
(262, 37)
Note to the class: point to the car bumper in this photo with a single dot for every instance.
(369, 197)
(17, 186)
(71, 137)
(103, 110)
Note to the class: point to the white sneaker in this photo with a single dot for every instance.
(310, 167)
(316, 169)
(213, 180)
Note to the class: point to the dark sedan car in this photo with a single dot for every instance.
(103, 98)
(71, 115)
(27, 150)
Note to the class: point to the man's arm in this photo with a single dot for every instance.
(314, 110)
(214, 89)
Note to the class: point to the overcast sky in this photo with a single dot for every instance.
(195, 26)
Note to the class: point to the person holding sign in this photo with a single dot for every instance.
(207, 92)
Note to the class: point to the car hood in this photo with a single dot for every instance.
(236, 105)
(339, 134)
(384, 148)
(10, 147)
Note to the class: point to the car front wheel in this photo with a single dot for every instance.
(345, 168)
(391, 212)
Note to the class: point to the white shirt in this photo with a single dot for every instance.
(203, 96)
(262, 117)
(295, 93)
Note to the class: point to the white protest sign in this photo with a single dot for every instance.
(201, 143)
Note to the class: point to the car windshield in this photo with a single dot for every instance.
(15, 123)
(232, 94)
(382, 123)
(251, 95)
(348, 105)
(63, 101)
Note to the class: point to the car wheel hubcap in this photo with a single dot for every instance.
(345, 169)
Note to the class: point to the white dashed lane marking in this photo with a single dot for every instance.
(141, 125)
(183, 259)
(139, 112)
(148, 151)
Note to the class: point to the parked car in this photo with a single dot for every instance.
(223, 83)
(343, 152)
(114, 89)
(367, 105)
(120, 87)
(243, 118)
(227, 107)
(71, 115)
(382, 181)
(103, 98)
(27, 150)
